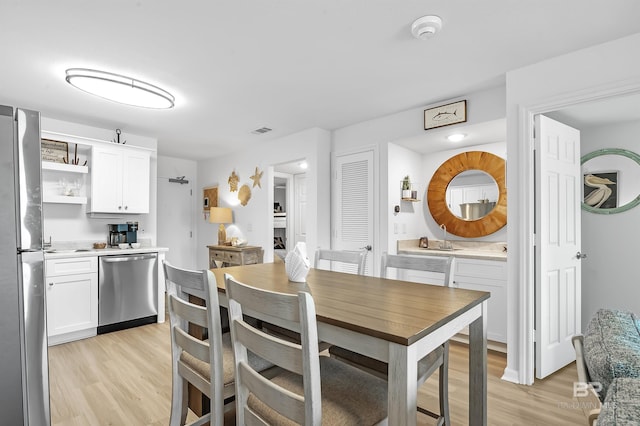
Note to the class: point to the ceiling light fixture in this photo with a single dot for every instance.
(426, 26)
(456, 137)
(119, 88)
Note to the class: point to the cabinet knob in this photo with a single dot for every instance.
(119, 207)
(50, 284)
(126, 207)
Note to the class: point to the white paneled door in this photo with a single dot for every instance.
(558, 276)
(353, 227)
(175, 213)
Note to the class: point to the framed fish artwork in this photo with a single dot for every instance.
(445, 115)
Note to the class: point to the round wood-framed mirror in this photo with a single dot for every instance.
(437, 194)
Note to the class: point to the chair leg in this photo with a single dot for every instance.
(444, 386)
(179, 401)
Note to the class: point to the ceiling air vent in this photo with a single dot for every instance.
(261, 130)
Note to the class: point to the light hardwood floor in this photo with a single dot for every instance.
(124, 378)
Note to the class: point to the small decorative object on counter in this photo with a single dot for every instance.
(99, 246)
(424, 242)
(297, 263)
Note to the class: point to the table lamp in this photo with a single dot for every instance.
(221, 215)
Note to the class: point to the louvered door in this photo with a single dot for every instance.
(353, 227)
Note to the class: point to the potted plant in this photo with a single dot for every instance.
(406, 187)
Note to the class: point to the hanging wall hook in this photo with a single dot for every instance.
(117, 140)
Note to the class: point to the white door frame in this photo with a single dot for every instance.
(524, 264)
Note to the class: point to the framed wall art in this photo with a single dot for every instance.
(601, 189)
(54, 151)
(445, 115)
(209, 198)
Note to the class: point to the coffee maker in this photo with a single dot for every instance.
(123, 233)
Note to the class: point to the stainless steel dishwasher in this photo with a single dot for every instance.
(128, 291)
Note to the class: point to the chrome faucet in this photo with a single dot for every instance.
(445, 245)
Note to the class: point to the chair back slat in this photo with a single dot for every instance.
(191, 345)
(357, 258)
(303, 409)
(274, 350)
(438, 264)
(188, 311)
(280, 399)
(274, 305)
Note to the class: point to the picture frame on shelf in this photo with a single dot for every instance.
(445, 115)
(54, 151)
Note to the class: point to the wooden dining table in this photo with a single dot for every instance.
(398, 322)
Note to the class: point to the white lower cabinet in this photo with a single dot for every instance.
(72, 298)
(480, 275)
(490, 276)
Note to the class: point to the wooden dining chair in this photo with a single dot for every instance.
(345, 257)
(438, 359)
(206, 364)
(314, 389)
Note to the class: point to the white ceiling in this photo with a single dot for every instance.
(235, 66)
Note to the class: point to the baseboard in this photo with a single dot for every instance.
(70, 337)
(510, 375)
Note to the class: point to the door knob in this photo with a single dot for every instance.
(367, 247)
(581, 255)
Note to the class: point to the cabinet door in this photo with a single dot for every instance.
(135, 180)
(491, 276)
(106, 180)
(72, 303)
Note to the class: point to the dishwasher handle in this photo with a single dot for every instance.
(127, 258)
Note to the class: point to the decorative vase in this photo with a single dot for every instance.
(406, 193)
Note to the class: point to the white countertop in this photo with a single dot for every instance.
(462, 249)
(65, 253)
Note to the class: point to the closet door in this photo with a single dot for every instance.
(353, 227)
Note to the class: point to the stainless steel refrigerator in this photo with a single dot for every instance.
(24, 372)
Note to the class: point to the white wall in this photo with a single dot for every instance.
(409, 222)
(582, 75)
(254, 222)
(609, 273)
(482, 106)
(69, 222)
(414, 219)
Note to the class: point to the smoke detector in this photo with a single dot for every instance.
(426, 27)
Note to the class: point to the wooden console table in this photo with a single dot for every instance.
(234, 256)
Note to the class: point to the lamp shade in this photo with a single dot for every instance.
(220, 215)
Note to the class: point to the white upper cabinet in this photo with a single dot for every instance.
(119, 180)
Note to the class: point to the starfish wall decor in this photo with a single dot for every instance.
(256, 178)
